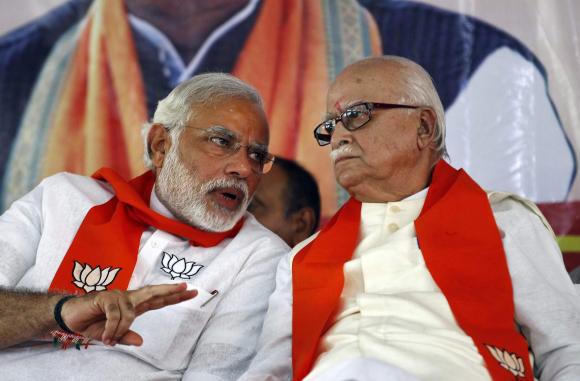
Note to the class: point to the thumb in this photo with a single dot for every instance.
(131, 338)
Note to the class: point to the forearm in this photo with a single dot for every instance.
(25, 315)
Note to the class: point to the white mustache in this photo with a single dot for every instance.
(237, 184)
(342, 151)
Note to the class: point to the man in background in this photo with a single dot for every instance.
(287, 202)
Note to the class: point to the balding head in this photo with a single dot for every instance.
(412, 84)
(388, 152)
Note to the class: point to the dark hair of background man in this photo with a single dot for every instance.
(302, 190)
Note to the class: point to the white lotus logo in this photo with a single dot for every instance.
(90, 279)
(178, 268)
(508, 361)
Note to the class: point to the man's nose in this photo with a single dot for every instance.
(239, 164)
(341, 136)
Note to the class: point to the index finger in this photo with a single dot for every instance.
(161, 295)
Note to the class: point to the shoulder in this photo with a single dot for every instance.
(526, 234)
(514, 210)
(71, 189)
(71, 180)
(296, 249)
(44, 31)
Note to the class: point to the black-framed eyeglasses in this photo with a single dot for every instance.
(353, 118)
(218, 141)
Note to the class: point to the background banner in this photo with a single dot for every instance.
(79, 77)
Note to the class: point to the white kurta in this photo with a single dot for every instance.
(215, 341)
(392, 310)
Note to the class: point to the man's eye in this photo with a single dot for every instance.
(221, 141)
(353, 114)
(258, 156)
(329, 126)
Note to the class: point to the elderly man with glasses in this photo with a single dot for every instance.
(421, 275)
(81, 258)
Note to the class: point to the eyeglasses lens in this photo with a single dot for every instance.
(355, 117)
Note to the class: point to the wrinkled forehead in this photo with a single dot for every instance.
(242, 117)
(365, 83)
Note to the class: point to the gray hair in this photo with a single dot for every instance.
(174, 112)
(421, 91)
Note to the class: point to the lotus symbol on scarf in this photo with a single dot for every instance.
(93, 279)
(508, 360)
(178, 268)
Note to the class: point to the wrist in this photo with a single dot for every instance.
(57, 312)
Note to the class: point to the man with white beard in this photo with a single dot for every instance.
(81, 258)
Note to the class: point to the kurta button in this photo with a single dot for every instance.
(154, 244)
(394, 209)
(393, 227)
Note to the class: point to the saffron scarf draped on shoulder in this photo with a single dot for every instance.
(89, 101)
(462, 248)
(109, 236)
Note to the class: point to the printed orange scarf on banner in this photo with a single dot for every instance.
(462, 248)
(110, 233)
(102, 104)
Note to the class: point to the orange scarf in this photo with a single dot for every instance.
(110, 233)
(462, 248)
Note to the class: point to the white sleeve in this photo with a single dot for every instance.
(273, 362)
(228, 341)
(546, 302)
(20, 231)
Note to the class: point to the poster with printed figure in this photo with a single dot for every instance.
(78, 78)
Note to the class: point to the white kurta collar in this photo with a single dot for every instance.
(377, 214)
(156, 205)
(175, 69)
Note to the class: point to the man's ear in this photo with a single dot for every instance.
(426, 129)
(302, 224)
(158, 143)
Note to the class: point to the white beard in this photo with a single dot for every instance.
(180, 190)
